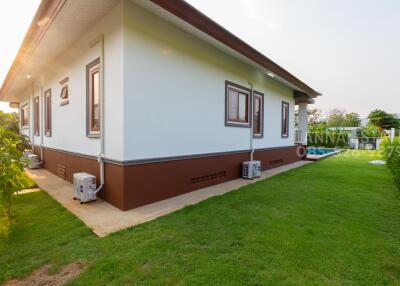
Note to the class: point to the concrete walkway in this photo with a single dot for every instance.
(105, 219)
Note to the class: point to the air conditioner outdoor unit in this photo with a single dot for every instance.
(26, 154)
(251, 169)
(84, 187)
(33, 161)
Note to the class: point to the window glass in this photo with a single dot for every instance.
(257, 115)
(233, 104)
(242, 107)
(96, 101)
(25, 116)
(47, 110)
(37, 116)
(93, 98)
(285, 119)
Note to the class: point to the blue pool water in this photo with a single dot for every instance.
(319, 151)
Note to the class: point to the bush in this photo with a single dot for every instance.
(329, 139)
(391, 152)
(11, 167)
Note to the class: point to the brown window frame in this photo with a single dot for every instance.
(47, 113)
(240, 90)
(91, 69)
(36, 115)
(285, 120)
(258, 96)
(24, 125)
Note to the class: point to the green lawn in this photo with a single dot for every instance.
(28, 182)
(335, 222)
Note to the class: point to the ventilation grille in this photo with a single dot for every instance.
(274, 162)
(209, 177)
(61, 171)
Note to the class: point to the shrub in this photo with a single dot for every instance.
(391, 152)
(328, 139)
(11, 167)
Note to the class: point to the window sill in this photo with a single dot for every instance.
(93, 136)
(237, 124)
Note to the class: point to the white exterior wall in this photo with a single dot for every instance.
(164, 93)
(175, 93)
(69, 121)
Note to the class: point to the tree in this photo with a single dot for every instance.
(339, 118)
(315, 119)
(335, 118)
(352, 119)
(382, 120)
(12, 145)
(314, 116)
(11, 166)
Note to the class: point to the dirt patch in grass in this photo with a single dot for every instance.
(43, 278)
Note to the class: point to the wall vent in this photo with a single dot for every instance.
(209, 177)
(274, 162)
(61, 171)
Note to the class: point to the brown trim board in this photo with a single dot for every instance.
(141, 183)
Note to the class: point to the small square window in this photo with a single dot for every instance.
(64, 96)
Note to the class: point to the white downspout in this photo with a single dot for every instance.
(251, 125)
(101, 153)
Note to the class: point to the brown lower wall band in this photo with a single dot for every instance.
(131, 186)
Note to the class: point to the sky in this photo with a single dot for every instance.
(15, 18)
(349, 50)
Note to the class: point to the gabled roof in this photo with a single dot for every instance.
(49, 9)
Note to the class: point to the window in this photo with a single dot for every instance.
(285, 119)
(237, 105)
(258, 116)
(36, 114)
(47, 113)
(93, 98)
(64, 92)
(25, 116)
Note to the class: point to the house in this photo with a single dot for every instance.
(358, 139)
(152, 97)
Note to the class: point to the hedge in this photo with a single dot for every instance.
(392, 156)
(328, 139)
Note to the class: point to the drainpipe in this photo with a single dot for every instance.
(101, 153)
(251, 125)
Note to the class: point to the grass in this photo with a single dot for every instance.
(334, 222)
(28, 182)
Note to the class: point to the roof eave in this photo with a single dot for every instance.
(44, 16)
